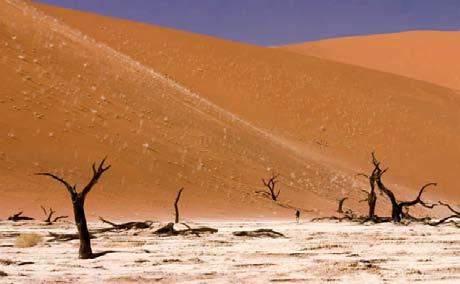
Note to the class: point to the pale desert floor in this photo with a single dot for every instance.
(311, 253)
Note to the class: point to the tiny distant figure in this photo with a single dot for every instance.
(297, 216)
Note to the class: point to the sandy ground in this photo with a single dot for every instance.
(310, 253)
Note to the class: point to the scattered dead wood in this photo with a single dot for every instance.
(19, 217)
(49, 213)
(4, 261)
(259, 233)
(347, 215)
(78, 202)
(65, 237)
(125, 226)
(270, 184)
(169, 230)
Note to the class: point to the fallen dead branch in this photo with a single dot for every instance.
(13, 262)
(448, 219)
(124, 226)
(260, 233)
(19, 217)
(169, 230)
(65, 237)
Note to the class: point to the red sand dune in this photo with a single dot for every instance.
(82, 86)
(431, 56)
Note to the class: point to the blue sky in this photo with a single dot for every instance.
(274, 22)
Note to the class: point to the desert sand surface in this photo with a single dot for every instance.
(68, 101)
(309, 253)
(331, 112)
(173, 109)
(429, 56)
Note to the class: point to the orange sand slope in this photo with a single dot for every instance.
(333, 113)
(67, 100)
(84, 86)
(431, 56)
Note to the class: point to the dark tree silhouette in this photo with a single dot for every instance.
(270, 184)
(340, 205)
(176, 208)
(49, 213)
(371, 195)
(124, 226)
(78, 202)
(19, 217)
(397, 212)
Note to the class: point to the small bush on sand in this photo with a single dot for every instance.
(28, 240)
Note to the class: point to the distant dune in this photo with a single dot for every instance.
(430, 56)
(81, 86)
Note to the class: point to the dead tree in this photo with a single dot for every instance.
(340, 205)
(49, 213)
(176, 208)
(18, 217)
(270, 184)
(78, 202)
(397, 212)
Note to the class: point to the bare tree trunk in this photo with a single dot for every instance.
(85, 250)
(176, 208)
(340, 206)
(371, 195)
(372, 201)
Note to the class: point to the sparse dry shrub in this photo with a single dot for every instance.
(28, 240)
